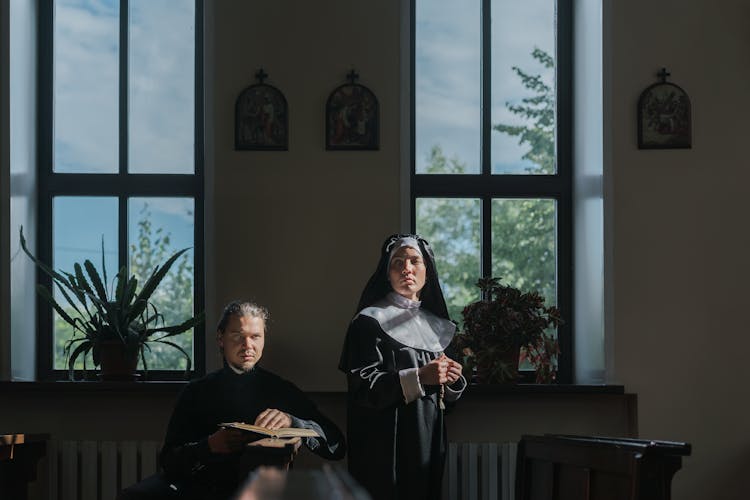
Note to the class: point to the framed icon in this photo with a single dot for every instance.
(352, 118)
(261, 118)
(664, 116)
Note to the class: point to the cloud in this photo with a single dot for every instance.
(160, 87)
(447, 59)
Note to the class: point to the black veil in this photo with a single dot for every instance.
(378, 285)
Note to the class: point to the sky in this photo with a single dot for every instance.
(161, 103)
(86, 128)
(448, 72)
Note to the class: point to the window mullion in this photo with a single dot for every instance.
(122, 212)
(123, 89)
(486, 88)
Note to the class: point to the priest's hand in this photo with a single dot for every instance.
(435, 372)
(227, 441)
(273, 419)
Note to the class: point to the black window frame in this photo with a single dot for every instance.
(487, 186)
(122, 185)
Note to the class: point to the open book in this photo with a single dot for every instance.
(284, 432)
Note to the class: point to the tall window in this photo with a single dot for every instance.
(491, 165)
(121, 156)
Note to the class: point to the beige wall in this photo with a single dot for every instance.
(681, 238)
(299, 231)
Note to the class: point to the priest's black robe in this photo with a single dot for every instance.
(396, 450)
(225, 396)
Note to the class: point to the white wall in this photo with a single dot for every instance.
(681, 238)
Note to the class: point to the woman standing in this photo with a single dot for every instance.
(399, 376)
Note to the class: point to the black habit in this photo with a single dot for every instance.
(396, 450)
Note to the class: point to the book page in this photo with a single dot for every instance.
(283, 432)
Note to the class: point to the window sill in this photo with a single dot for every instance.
(174, 386)
(498, 389)
(66, 386)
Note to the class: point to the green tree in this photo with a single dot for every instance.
(173, 298)
(523, 230)
(452, 226)
(538, 110)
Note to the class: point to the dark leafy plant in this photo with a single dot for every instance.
(96, 316)
(504, 322)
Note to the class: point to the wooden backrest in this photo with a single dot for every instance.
(562, 467)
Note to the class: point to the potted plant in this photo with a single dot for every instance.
(116, 327)
(506, 327)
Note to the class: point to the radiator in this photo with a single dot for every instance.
(480, 471)
(97, 470)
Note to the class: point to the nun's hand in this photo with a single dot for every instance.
(454, 371)
(435, 372)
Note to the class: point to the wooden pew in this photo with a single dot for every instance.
(19, 454)
(561, 467)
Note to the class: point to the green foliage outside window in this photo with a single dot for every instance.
(523, 230)
(173, 298)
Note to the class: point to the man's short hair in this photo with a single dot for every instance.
(242, 308)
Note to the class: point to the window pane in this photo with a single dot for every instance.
(157, 228)
(86, 47)
(447, 86)
(452, 226)
(80, 225)
(523, 87)
(523, 245)
(161, 86)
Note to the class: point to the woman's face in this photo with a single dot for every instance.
(407, 273)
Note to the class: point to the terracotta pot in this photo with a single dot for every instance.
(117, 362)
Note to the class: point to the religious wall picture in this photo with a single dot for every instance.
(261, 118)
(664, 116)
(352, 117)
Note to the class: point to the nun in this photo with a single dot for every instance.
(399, 376)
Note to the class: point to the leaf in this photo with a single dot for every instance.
(128, 292)
(64, 294)
(177, 329)
(141, 301)
(82, 348)
(42, 290)
(120, 282)
(104, 266)
(187, 357)
(101, 291)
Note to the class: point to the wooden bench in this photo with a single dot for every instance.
(19, 454)
(562, 467)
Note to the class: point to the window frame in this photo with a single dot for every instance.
(122, 185)
(486, 186)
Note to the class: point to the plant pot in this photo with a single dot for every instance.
(118, 363)
(501, 368)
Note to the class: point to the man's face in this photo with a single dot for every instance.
(407, 273)
(243, 341)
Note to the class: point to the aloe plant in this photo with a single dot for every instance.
(96, 316)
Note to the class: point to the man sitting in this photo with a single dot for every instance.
(201, 460)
